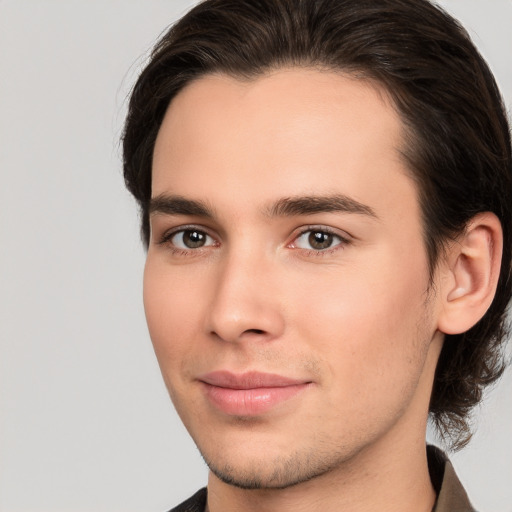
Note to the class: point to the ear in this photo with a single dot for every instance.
(470, 274)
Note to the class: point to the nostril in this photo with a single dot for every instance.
(255, 331)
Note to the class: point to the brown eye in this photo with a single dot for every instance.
(191, 239)
(318, 240)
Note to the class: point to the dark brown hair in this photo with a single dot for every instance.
(458, 144)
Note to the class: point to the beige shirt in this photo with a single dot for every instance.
(451, 496)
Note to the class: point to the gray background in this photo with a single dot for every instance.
(85, 421)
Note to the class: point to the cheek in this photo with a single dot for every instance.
(172, 313)
(367, 324)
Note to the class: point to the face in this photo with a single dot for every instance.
(286, 283)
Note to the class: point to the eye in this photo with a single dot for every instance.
(190, 239)
(318, 240)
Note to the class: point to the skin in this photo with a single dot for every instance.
(356, 320)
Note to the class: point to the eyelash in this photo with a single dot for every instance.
(343, 241)
(168, 235)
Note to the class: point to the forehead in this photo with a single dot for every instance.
(286, 133)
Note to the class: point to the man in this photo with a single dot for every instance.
(325, 194)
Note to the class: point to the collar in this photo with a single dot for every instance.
(451, 496)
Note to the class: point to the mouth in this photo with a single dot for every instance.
(251, 393)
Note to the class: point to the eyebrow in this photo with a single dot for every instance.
(308, 205)
(178, 205)
(285, 207)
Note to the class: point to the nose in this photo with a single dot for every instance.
(245, 302)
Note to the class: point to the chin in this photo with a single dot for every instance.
(271, 472)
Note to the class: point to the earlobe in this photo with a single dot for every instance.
(472, 269)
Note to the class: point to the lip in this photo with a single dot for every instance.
(251, 393)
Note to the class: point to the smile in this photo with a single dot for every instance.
(249, 394)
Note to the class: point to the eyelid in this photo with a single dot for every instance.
(166, 236)
(345, 238)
